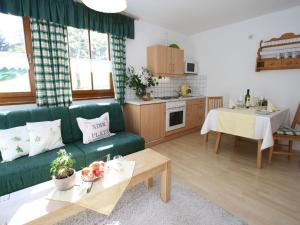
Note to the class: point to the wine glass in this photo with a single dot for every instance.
(117, 157)
(118, 165)
(106, 159)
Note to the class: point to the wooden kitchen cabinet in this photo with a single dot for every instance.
(195, 113)
(147, 120)
(165, 61)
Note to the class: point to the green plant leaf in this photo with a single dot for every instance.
(19, 149)
(62, 166)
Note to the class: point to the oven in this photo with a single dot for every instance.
(175, 115)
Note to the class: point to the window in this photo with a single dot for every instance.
(89, 55)
(90, 64)
(16, 72)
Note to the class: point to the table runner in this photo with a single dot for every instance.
(105, 192)
(236, 122)
(265, 125)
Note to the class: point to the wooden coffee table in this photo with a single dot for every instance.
(30, 205)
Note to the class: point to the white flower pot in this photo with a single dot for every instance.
(66, 183)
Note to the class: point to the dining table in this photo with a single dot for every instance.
(249, 123)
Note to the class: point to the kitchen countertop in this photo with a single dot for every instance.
(137, 101)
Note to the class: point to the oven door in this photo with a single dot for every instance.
(175, 118)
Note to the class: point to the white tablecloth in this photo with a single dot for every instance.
(265, 125)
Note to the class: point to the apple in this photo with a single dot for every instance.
(85, 171)
(97, 172)
(96, 164)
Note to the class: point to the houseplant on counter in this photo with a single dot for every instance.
(62, 171)
(140, 80)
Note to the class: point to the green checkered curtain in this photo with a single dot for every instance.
(118, 53)
(51, 63)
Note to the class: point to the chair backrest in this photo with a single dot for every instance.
(297, 117)
(214, 102)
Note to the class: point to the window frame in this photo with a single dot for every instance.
(10, 98)
(92, 94)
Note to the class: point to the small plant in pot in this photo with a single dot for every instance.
(62, 171)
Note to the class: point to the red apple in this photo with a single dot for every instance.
(85, 172)
(97, 172)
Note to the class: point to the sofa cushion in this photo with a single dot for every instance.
(116, 119)
(28, 171)
(19, 118)
(122, 143)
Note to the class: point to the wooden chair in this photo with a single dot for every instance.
(289, 134)
(213, 102)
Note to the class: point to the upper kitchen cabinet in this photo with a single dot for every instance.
(165, 61)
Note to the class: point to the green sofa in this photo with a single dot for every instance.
(27, 171)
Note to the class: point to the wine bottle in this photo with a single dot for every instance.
(247, 99)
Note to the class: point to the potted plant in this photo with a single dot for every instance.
(140, 80)
(62, 170)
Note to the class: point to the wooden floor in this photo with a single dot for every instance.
(266, 196)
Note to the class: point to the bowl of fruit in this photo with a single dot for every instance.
(93, 172)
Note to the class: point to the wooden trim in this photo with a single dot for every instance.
(88, 94)
(283, 44)
(17, 100)
(284, 37)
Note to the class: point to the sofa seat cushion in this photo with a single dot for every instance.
(122, 143)
(27, 171)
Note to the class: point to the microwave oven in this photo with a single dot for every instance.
(190, 67)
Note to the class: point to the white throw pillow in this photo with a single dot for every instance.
(44, 136)
(94, 129)
(14, 143)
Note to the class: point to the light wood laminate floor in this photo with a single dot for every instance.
(266, 196)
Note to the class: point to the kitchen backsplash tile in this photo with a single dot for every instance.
(170, 86)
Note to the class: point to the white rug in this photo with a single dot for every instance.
(140, 206)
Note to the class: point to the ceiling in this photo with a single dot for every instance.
(193, 16)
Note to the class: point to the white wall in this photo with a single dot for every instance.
(147, 34)
(227, 57)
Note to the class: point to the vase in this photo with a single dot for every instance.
(65, 183)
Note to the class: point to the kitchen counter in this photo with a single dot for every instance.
(137, 101)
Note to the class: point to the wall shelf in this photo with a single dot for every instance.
(279, 53)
